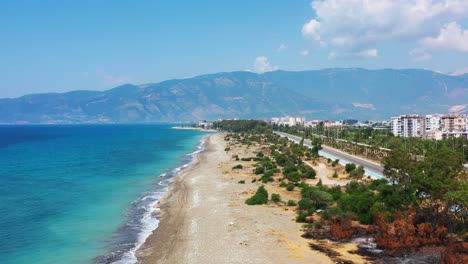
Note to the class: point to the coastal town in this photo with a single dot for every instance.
(431, 126)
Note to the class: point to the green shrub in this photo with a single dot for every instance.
(292, 203)
(335, 162)
(269, 173)
(358, 172)
(283, 184)
(266, 179)
(254, 180)
(350, 167)
(276, 198)
(237, 167)
(310, 173)
(301, 217)
(259, 170)
(335, 175)
(319, 183)
(241, 182)
(260, 154)
(260, 197)
(306, 204)
(290, 187)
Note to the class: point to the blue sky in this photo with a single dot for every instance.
(58, 46)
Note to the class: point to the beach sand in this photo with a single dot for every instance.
(204, 218)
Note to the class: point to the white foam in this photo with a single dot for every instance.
(148, 222)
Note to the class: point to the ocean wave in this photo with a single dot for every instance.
(143, 216)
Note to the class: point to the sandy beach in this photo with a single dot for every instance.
(204, 219)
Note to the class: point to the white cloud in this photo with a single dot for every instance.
(262, 64)
(451, 37)
(355, 25)
(457, 108)
(369, 53)
(419, 54)
(311, 29)
(305, 52)
(367, 106)
(281, 47)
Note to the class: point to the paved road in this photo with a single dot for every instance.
(372, 168)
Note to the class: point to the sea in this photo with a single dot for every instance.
(85, 193)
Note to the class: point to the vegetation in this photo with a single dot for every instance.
(241, 182)
(422, 201)
(260, 197)
(275, 198)
(350, 167)
(237, 167)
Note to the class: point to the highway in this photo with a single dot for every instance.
(372, 169)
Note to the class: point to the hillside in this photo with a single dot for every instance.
(328, 93)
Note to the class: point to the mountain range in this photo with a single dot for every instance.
(321, 94)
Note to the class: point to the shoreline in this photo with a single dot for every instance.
(194, 128)
(203, 218)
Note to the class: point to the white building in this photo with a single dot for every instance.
(433, 123)
(408, 126)
(290, 121)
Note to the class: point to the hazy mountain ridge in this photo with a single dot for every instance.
(328, 93)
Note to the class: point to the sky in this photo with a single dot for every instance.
(59, 46)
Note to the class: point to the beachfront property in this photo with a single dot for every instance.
(434, 126)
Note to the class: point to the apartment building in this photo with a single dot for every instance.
(408, 125)
(433, 123)
(454, 122)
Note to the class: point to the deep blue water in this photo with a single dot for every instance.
(82, 194)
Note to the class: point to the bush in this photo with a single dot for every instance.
(260, 154)
(227, 149)
(283, 184)
(275, 198)
(241, 182)
(350, 167)
(260, 197)
(335, 162)
(306, 204)
(358, 172)
(290, 187)
(292, 203)
(237, 167)
(254, 180)
(301, 218)
(269, 173)
(310, 173)
(259, 170)
(335, 175)
(266, 179)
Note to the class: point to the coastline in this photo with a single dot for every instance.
(194, 128)
(203, 219)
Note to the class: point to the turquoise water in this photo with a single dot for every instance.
(83, 194)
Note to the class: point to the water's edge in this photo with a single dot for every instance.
(143, 213)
